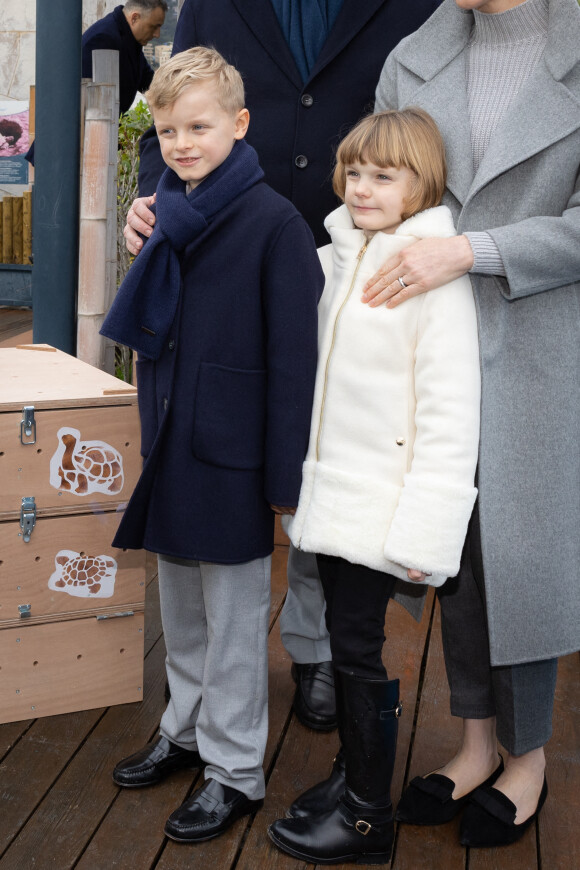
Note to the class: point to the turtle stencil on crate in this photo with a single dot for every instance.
(83, 576)
(83, 467)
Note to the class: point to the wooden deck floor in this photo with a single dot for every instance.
(15, 326)
(60, 809)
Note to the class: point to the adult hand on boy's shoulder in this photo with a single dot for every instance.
(281, 509)
(140, 219)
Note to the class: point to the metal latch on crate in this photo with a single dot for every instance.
(27, 517)
(28, 426)
(24, 610)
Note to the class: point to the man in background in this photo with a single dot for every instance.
(126, 29)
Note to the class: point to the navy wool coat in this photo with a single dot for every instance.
(295, 126)
(113, 32)
(225, 410)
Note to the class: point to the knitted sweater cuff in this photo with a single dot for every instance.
(486, 256)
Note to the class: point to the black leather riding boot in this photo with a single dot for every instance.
(359, 828)
(324, 795)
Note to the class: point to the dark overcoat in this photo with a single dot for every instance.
(225, 410)
(295, 126)
(113, 32)
(526, 194)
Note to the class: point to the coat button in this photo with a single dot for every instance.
(301, 161)
(171, 345)
(307, 100)
(401, 442)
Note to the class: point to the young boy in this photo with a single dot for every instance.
(221, 307)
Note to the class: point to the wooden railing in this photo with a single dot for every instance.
(16, 229)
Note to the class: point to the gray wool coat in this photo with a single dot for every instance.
(526, 194)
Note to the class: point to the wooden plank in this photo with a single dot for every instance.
(17, 230)
(558, 821)
(15, 326)
(63, 667)
(306, 756)
(33, 765)
(26, 469)
(27, 569)
(436, 740)
(10, 734)
(58, 381)
(65, 820)
(27, 227)
(7, 244)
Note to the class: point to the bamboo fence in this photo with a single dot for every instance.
(16, 229)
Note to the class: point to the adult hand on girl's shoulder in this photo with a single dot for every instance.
(422, 266)
(416, 576)
(281, 509)
(140, 219)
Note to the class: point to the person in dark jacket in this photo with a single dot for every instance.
(126, 30)
(310, 72)
(221, 307)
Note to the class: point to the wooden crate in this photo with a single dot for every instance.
(71, 606)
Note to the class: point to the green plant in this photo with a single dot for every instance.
(131, 126)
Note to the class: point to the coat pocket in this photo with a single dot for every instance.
(230, 417)
(146, 397)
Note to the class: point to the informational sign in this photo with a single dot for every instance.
(13, 142)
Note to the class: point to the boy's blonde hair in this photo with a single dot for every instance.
(194, 66)
(408, 137)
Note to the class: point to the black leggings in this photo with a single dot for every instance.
(356, 604)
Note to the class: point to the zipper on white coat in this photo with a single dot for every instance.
(360, 256)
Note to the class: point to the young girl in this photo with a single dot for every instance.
(387, 488)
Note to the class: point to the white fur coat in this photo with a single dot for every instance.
(388, 478)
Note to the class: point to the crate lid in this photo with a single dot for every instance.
(41, 375)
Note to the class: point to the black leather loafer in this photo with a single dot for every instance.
(428, 801)
(153, 763)
(489, 819)
(315, 701)
(210, 811)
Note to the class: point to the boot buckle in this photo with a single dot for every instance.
(395, 713)
(363, 827)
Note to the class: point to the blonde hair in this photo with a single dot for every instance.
(195, 66)
(408, 137)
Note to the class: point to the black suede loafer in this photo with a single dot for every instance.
(427, 800)
(210, 811)
(315, 700)
(489, 819)
(153, 763)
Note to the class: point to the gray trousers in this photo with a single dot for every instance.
(302, 621)
(215, 620)
(520, 696)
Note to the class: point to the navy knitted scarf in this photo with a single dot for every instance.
(145, 305)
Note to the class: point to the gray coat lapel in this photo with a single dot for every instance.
(438, 62)
(545, 110)
(445, 98)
